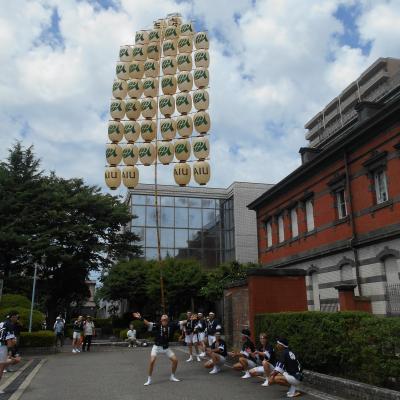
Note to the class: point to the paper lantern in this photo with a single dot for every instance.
(201, 122)
(200, 99)
(115, 131)
(151, 68)
(174, 20)
(165, 152)
(182, 149)
(171, 32)
(147, 153)
(136, 70)
(182, 174)
(148, 130)
(183, 102)
(187, 29)
(154, 51)
(149, 107)
(130, 154)
(168, 128)
(112, 177)
(150, 87)
(185, 81)
(167, 105)
(122, 70)
(119, 89)
(154, 36)
(201, 41)
(132, 131)
(117, 109)
(139, 52)
(184, 125)
(184, 62)
(168, 84)
(160, 23)
(169, 65)
(185, 44)
(135, 88)
(201, 77)
(201, 147)
(125, 53)
(132, 108)
(201, 172)
(170, 48)
(130, 177)
(141, 37)
(113, 154)
(202, 58)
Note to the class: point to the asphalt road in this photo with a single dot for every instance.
(119, 374)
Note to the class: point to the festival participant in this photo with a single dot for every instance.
(287, 371)
(191, 338)
(164, 332)
(217, 354)
(77, 335)
(265, 359)
(200, 329)
(213, 325)
(246, 359)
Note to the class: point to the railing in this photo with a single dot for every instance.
(393, 299)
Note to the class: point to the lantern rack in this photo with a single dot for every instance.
(159, 162)
(161, 95)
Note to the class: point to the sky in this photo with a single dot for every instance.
(274, 65)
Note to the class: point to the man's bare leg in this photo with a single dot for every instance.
(151, 367)
(174, 366)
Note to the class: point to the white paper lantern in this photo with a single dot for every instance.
(139, 52)
(151, 68)
(132, 131)
(119, 89)
(154, 36)
(130, 177)
(187, 29)
(201, 99)
(185, 44)
(202, 59)
(170, 48)
(112, 177)
(201, 147)
(147, 153)
(148, 130)
(168, 128)
(160, 23)
(142, 37)
(149, 107)
(113, 154)
(171, 33)
(184, 125)
(169, 65)
(182, 149)
(165, 152)
(182, 174)
(201, 122)
(130, 154)
(168, 84)
(174, 20)
(136, 69)
(132, 108)
(185, 81)
(150, 87)
(167, 105)
(154, 51)
(135, 88)
(201, 172)
(183, 102)
(184, 62)
(115, 131)
(201, 40)
(125, 53)
(201, 77)
(122, 70)
(117, 109)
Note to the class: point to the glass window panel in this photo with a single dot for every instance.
(194, 218)
(168, 253)
(167, 216)
(140, 233)
(181, 217)
(138, 199)
(194, 202)
(181, 237)
(167, 237)
(150, 200)
(194, 238)
(167, 201)
(139, 212)
(217, 215)
(150, 216)
(151, 253)
(151, 237)
(181, 253)
(208, 203)
(181, 202)
(209, 217)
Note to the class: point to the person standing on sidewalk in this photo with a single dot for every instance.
(88, 333)
(131, 336)
(59, 331)
(76, 334)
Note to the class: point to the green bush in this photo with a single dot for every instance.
(11, 301)
(355, 345)
(24, 313)
(123, 333)
(37, 339)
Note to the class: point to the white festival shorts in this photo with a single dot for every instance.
(3, 354)
(211, 340)
(76, 335)
(221, 360)
(251, 364)
(156, 350)
(260, 369)
(291, 380)
(202, 336)
(191, 338)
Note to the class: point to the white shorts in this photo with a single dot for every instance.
(156, 350)
(221, 359)
(291, 380)
(3, 354)
(76, 335)
(211, 340)
(251, 363)
(191, 338)
(260, 369)
(202, 336)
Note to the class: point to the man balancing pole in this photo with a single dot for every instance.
(164, 331)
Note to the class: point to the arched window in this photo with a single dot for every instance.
(392, 269)
(346, 273)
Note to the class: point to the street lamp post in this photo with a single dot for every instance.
(33, 292)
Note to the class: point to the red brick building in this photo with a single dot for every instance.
(338, 215)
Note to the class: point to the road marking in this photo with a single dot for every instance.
(15, 375)
(20, 391)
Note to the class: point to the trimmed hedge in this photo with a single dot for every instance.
(354, 345)
(24, 313)
(37, 339)
(14, 300)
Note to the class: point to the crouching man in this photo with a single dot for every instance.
(217, 354)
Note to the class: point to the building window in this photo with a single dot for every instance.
(269, 233)
(310, 215)
(315, 291)
(281, 229)
(381, 189)
(294, 223)
(341, 203)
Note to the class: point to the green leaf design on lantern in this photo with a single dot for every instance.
(137, 51)
(183, 123)
(180, 148)
(144, 151)
(115, 107)
(199, 97)
(128, 152)
(133, 85)
(164, 150)
(148, 84)
(113, 129)
(139, 37)
(170, 32)
(186, 28)
(146, 128)
(183, 59)
(152, 49)
(123, 52)
(183, 78)
(168, 46)
(110, 152)
(199, 146)
(149, 65)
(201, 37)
(165, 102)
(200, 120)
(184, 42)
(182, 100)
(167, 126)
(167, 62)
(201, 55)
(154, 35)
(134, 67)
(130, 106)
(167, 82)
(120, 68)
(147, 105)
(200, 73)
